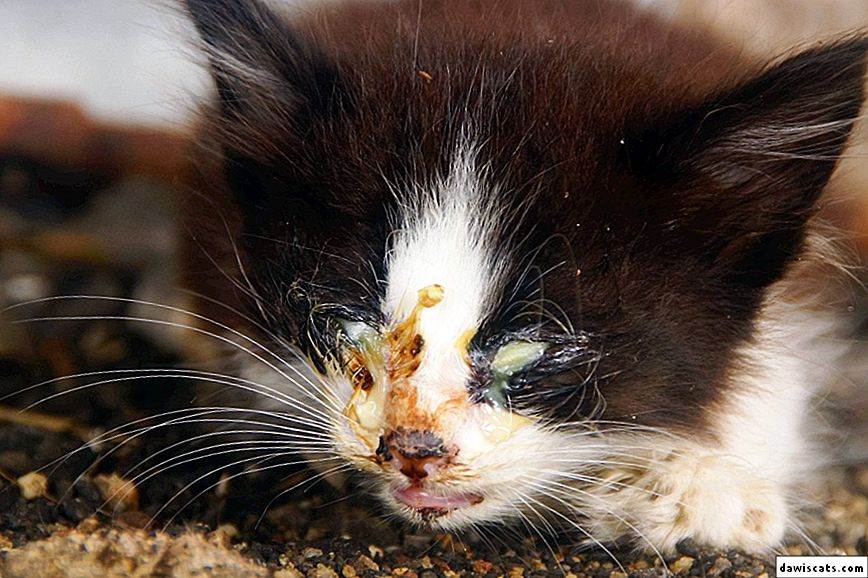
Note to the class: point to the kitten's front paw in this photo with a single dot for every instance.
(711, 499)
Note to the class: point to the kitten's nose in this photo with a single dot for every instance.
(415, 453)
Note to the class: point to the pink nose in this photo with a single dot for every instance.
(416, 468)
(415, 453)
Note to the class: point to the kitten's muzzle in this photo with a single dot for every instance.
(415, 453)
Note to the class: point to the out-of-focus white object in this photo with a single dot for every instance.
(133, 60)
(124, 60)
(768, 27)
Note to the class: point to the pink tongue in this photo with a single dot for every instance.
(419, 499)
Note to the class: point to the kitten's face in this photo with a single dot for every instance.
(510, 255)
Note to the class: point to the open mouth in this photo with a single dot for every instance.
(427, 503)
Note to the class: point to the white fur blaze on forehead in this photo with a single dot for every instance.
(446, 236)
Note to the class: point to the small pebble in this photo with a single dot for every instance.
(308, 553)
(368, 564)
(225, 533)
(288, 573)
(682, 565)
(120, 494)
(720, 566)
(33, 485)
(323, 571)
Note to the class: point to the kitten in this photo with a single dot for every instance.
(529, 259)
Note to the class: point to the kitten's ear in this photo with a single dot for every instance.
(748, 166)
(269, 79)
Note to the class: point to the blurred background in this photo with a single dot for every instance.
(97, 107)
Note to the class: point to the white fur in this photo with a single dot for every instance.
(444, 237)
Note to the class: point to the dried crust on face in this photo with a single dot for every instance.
(405, 341)
(382, 394)
(387, 398)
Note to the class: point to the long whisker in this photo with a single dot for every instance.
(310, 441)
(180, 326)
(246, 472)
(268, 332)
(311, 480)
(580, 529)
(190, 457)
(142, 431)
(534, 528)
(592, 480)
(332, 408)
(562, 489)
(200, 376)
(177, 421)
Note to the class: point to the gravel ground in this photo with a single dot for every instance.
(57, 531)
(76, 229)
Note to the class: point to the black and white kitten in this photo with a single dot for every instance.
(531, 258)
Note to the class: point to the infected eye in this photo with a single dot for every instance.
(362, 355)
(510, 359)
(362, 336)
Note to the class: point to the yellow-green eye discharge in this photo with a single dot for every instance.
(508, 360)
(516, 356)
(361, 335)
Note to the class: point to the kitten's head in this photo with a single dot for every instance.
(508, 233)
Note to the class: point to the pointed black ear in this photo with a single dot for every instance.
(268, 78)
(748, 166)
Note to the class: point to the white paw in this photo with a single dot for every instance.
(711, 499)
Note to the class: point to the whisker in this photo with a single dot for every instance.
(244, 473)
(180, 326)
(310, 441)
(194, 329)
(580, 529)
(310, 480)
(142, 431)
(190, 457)
(592, 480)
(200, 376)
(269, 333)
(548, 484)
(535, 529)
(290, 435)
